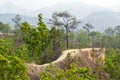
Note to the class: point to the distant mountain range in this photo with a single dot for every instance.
(102, 20)
(78, 9)
(13, 9)
(99, 17)
(7, 18)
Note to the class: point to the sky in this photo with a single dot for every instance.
(37, 4)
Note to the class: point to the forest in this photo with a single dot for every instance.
(42, 44)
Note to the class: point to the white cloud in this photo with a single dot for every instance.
(111, 4)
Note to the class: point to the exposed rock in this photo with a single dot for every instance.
(88, 54)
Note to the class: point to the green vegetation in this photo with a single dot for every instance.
(12, 68)
(40, 44)
(4, 27)
(112, 64)
(74, 73)
(36, 38)
(66, 20)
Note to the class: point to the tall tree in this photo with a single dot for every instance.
(117, 31)
(36, 38)
(88, 27)
(108, 37)
(95, 38)
(57, 44)
(17, 32)
(57, 39)
(66, 20)
(82, 39)
(16, 20)
(109, 31)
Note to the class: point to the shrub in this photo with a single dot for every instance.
(74, 73)
(12, 68)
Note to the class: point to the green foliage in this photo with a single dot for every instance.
(73, 40)
(112, 64)
(88, 27)
(56, 45)
(3, 49)
(111, 37)
(41, 45)
(57, 40)
(74, 73)
(12, 68)
(66, 20)
(23, 53)
(7, 47)
(82, 39)
(95, 38)
(36, 38)
(5, 28)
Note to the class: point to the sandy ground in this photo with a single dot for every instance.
(34, 69)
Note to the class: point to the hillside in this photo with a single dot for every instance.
(7, 18)
(78, 9)
(102, 20)
(11, 8)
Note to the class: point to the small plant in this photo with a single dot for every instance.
(74, 73)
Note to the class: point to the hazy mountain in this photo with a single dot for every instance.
(7, 18)
(13, 9)
(102, 20)
(78, 9)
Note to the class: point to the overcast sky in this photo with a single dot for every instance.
(37, 4)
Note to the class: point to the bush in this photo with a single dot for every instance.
(52, 73)
(112, 64)
(12, 68)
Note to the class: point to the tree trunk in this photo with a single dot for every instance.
(33, 56)
(67, 38)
